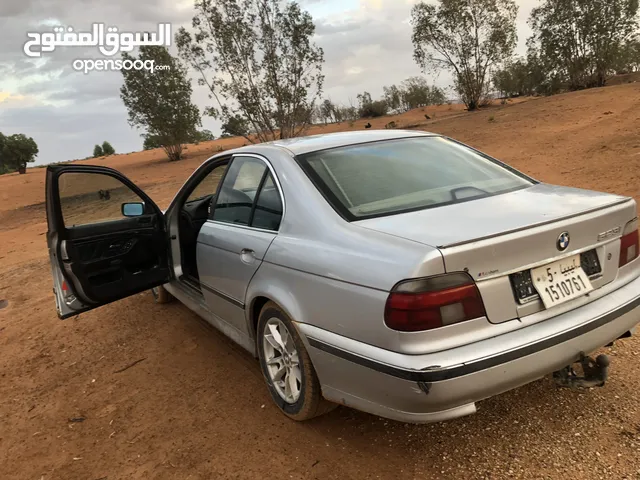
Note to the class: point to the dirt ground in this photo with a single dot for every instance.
(195, 407)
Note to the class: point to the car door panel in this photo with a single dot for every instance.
(228, 256)
(105, 262)
(244, 220)
(142, 222)
(101, 256)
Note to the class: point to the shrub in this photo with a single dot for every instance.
(107, 149)
(97, 151)
(377, 108)
(235, 126)
(203, 136)
(160, 102)
(15, 152)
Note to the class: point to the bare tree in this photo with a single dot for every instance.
(467, 37)
(258, 61)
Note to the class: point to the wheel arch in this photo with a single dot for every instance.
(261, 291)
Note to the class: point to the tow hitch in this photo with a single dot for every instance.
(594, 373)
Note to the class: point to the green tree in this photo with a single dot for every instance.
(545, 80)
(347, 113)
(204, 136)
(160, 101)
(377, 108)
(628, 60)
(258, 61)
(156, 141)
(97, 151)
(515, 79)
(107, 149)
(393, 97)
(327, 110)
(416, 92)
(369, 108)
(16, 151)
(467, 37)
(632, 52)
(235, 126)
(581, 41)
(151, 141)
(3, 168)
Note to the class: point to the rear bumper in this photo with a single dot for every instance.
(444, 385)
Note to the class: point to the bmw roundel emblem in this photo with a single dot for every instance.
(563, 241)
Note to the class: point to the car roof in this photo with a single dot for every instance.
(312, 143)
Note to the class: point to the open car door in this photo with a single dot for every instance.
(107, 239)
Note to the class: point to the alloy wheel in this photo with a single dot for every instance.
(282, 360)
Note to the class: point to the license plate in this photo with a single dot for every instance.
(561, 281)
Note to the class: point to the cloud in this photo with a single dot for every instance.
(12, 101)
(367, 45)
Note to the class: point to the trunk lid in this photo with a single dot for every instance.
(494, 237)
(474, 220)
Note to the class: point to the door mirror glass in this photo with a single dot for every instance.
(132, 209)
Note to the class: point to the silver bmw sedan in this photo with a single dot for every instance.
(400, 273)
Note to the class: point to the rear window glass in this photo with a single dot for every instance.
(383, 178)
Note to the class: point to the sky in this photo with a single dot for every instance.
(366, 43)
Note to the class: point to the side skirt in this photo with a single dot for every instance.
(194, 300)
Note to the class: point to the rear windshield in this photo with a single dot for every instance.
(383, 178)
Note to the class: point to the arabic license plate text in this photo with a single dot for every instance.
(561, 281)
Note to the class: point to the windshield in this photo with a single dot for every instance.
(383, 178)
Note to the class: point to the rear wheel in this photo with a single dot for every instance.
(286, 366)
(160, 295)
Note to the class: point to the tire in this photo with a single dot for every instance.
(160, 295)
(308, 403)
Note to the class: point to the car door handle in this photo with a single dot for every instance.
(247, 256)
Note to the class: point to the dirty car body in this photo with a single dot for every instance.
(421, 275)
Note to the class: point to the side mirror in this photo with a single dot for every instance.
(132, 209)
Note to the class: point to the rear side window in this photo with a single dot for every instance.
(249, 196)
(235, 199)
(268, 211)
(383, 178)
(208, 185)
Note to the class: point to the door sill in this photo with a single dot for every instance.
(191, 282)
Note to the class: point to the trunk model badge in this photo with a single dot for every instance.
(486, 274)
(563, 241)
(609, 233)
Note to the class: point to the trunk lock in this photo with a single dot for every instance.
(594, 373)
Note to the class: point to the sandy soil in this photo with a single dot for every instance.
(195, 407)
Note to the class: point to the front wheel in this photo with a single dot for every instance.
(286, 366)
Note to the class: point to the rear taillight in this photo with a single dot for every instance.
(629, 243)
(432, 302)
